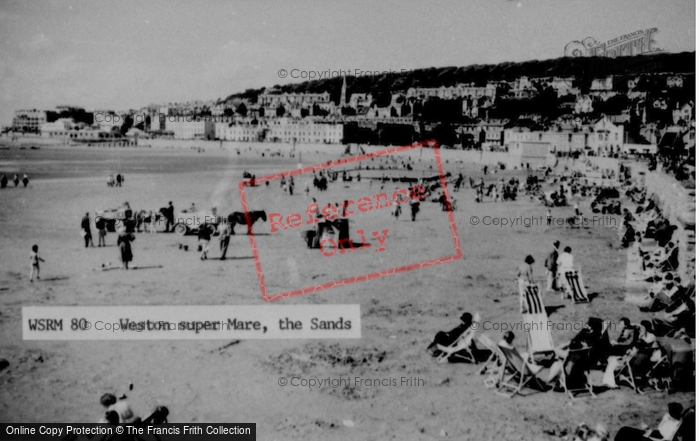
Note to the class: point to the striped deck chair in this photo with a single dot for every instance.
(462, 347)
(539, 339)
(516, 374)
(574, 287)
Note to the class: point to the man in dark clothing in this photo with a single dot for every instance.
(204, 235)
(447, 338)
(415, 208)
(169, 214)
(87, 234)
(664, 233)
(551, 264)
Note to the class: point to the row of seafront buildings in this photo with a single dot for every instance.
(314, 118)
(602, 137)
(283, 129)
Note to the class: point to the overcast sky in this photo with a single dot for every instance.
(127, 54)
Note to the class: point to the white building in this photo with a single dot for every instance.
(605, 137)
(304, 131)
(532, 153)
(241, 131)
(559, 141)
(584, 104)
(31, 119)
(602, 84)
(281, 130)
(274, 100)
(60, 125)
(189, 127)
(452, 92)
(684, 113)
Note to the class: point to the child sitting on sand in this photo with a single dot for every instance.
(35, 259)
(121, 407)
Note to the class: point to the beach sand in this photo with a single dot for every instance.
(224, 381)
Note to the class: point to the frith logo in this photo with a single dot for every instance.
(636, 43)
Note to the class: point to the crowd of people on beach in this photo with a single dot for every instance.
(654, 354)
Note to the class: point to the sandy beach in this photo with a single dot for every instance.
(227, 381)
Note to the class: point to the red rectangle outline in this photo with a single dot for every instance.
(370, 276)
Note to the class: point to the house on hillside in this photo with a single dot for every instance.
(683, 113)
(584, 104)
(675, 81)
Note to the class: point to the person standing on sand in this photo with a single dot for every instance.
(152, 225)
(87, 234)
(415, 208)
(101, 226)
(565, 263)
(224, 229)
(124, 243)
(551, 264)
(35, 259)
(16, 180)
(25, 180)
(169, 214)
(204, 235)
(3, 180)
(525, 272)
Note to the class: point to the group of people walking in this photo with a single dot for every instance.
(204, 236)
(556, 264)
(4, 181)
(115, 182)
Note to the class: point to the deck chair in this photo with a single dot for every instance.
(637, 379)
(516, 374)
(577, 363)
(462, 347)
(495, 365)
(539, 339)
(574, 287)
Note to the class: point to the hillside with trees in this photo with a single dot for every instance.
(583, 69)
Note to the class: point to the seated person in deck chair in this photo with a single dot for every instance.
(667, 429)
(447, 338)
(628, 336)
(593, 336)
(548, 375)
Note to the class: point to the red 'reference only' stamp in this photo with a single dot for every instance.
(326, 254)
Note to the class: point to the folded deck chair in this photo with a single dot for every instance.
(461, 348)
(495, 365)
(517, 374)
(574, 287)
(539, 339)
(577, 368)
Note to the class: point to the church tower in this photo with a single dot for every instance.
(343, 99)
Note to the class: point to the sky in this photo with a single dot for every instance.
(128, 54)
